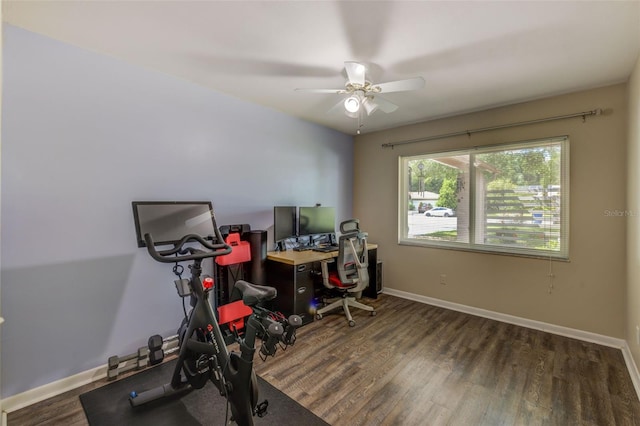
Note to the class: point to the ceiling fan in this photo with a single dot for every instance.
(363, 93)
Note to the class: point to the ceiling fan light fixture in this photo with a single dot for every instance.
(353, 115)
(352, 104)
(369, 105)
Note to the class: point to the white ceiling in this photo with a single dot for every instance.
(472, 55)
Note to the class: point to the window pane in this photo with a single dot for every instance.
(438, 190)
(512, 198)
(518, 194)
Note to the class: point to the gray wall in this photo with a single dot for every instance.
(83, 136)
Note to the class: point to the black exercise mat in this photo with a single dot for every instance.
(109, 405)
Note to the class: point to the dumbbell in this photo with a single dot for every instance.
(292, 324)
(159, 348)
(114, 369)
(156, 353)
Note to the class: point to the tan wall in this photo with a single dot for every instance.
(588, 291)
(633, 220)
(1, 44)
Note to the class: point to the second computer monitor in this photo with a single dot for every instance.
(284, 222)
(316, 220)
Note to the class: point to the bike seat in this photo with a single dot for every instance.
(253, 294)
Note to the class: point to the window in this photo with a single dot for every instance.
(511, 198)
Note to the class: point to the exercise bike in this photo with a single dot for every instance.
(203, 354)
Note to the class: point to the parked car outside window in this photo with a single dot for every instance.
(440, 212)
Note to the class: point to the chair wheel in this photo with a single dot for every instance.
(352, 323)
(373, 313)
(319, 316)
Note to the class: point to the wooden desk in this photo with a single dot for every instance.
(292, 257)
(295, 274)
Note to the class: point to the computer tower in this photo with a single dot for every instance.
(379, 284)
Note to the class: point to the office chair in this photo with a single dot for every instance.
(351, 275)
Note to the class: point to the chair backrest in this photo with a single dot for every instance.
(353, 256)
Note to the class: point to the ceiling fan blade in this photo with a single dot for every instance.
(355, 72)
(336, 91)
(339, 106)
(385, 105)
(401, 85)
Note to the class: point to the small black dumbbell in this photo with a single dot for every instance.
(156, 353)
(293, 323)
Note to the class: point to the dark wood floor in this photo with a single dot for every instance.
(415, 364)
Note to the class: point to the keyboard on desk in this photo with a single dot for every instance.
(326, 249)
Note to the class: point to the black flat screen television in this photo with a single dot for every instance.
(169, 221)
(284, 223)
(317, 220)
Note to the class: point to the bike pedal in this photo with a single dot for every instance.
(261, 408)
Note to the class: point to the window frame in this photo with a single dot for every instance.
(471, 244)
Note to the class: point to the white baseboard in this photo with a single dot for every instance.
(536, 325)
(32, 396)
(58, 387)
(35, 395)
(632, 367)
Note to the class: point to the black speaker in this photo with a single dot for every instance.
(258, 242)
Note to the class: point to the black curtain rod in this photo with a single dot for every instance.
(584, 115)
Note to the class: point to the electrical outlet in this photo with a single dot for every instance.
(638, 334)
(443, 279)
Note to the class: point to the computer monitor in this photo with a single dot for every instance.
(169, 221)
(317, 220)
(284, 223)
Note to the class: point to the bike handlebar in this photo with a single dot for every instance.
(166, 256)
